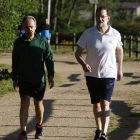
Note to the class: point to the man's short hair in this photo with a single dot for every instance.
(28, 17)
(102, 8)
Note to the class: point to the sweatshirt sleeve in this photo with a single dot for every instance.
(15, 63)
(48, 58)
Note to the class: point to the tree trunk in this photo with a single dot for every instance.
(41, 6)
(70, 14)
(63, 1)
(55, 15)
(49, 11)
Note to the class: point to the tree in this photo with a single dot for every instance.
(70, 13)
(12, 12)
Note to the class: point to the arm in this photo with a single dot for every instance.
(48, 58)
(78, 55)
(15, 68)
(15, 85)
(120, 60)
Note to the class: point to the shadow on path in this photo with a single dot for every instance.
(133, 77)
(67, 62)
(128, 122)
(72, 78)
(32, 123)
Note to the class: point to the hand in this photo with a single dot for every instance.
(51, 81)
(119, 75)
(15, 85)
(86, 68)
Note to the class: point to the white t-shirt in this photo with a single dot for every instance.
(101, 54)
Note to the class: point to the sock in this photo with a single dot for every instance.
(39, 126)
(23, 133)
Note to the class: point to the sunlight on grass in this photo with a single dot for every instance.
(6, 83)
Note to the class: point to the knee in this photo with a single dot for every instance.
(105, 105)
(97, 106)
(39, 105)
(25, 102)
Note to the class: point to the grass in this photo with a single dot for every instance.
(6, 83)
(5, 80)
(57, 80)
(63, 49)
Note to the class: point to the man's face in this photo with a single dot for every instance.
(102, 18)
(29, 27)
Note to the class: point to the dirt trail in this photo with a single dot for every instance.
(68, 112)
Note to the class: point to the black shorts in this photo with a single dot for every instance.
(100, 88)
(33, 90)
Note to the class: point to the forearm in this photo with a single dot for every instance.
(79, 58)
(14, 66)
(120, 58)
(50, 67)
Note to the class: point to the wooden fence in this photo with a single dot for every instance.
(131, 44)
(71, 39)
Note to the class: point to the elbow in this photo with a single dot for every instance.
(76, 54)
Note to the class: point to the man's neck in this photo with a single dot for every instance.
(30, 37)
(104, 29)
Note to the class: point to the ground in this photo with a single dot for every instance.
(68, 112)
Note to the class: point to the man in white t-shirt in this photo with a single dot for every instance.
(101, 43)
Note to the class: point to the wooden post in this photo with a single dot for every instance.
(94, 2)
(94, 13)
(74, 41)
(137, 47)
(56, 41)
(130, 45)
(124, 42)
(49, 11)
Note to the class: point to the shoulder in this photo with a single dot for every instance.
(19, 40)
(114, 31)
(87, 33)
(90, 30)
(40, 38)
(42, 41)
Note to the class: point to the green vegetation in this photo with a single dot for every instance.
(12, 12)
(6, 84)
(63, 49)
(5, 80)
(67, 17)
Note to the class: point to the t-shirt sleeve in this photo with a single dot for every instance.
(82, 42)
(119, 44)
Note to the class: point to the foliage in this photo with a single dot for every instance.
(65, 15)
(6, 83)
(12, 12)
(5, 79)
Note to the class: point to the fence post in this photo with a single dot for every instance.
(130, 45)
(124, 42)
(74, 41)
(56, 41)
(137, 47)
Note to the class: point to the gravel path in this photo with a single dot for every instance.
(68, 112)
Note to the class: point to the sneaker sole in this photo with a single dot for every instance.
(39, 137)
(22, 138)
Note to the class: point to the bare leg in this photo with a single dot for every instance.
(25, 102)
(49, 40)
(97, 115)
(39, 109)
(105, 116)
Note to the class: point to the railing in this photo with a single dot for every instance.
(131, 45)
(128, 44)
(72, 39)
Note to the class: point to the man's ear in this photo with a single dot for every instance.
(108, 18)
(35, 26)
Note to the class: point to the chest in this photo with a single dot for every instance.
(30, 49)
(102, 42)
